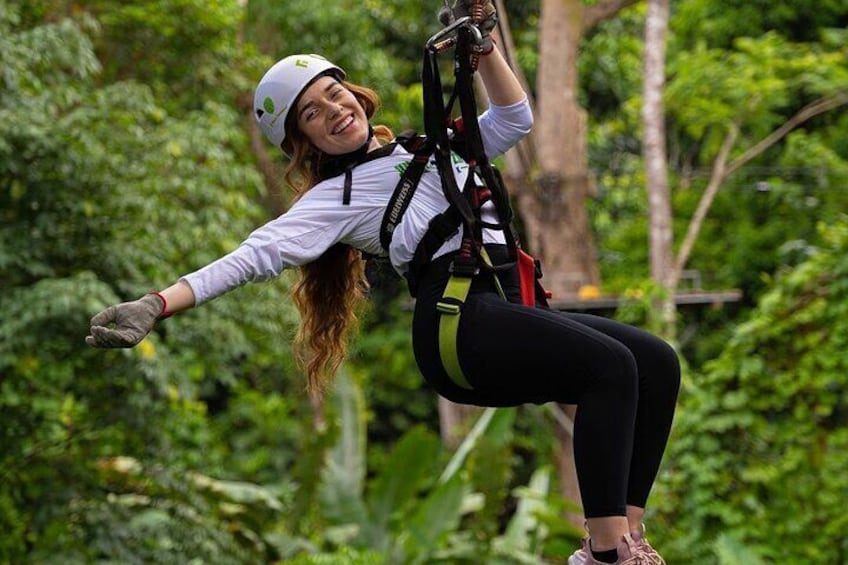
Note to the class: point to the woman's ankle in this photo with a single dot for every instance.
(635, 515)
(605, 533)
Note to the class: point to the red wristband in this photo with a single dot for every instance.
(165, 313)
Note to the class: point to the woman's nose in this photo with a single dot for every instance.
(335, 110)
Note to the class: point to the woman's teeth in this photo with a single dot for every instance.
(343, 126)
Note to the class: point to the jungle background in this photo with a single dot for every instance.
(129, 157)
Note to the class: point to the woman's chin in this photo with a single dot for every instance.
(344, 146)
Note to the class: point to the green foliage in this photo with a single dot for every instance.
(750, 84)
(383, 360)
(611, 64)
(403, 515)
(391, 518)
(757, 81)
(760, 447)
(344, 471)
(720, 23)
(256, 430)
(344, 556)
(639, 305)
(100, 183)
(125, 161)
(731, 552)
(522, 539)
(187, 51)
(153, 515)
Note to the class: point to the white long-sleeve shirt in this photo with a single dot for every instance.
(319, 219)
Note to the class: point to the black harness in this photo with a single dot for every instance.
(445, 136)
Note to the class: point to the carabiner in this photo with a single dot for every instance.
(436, 44)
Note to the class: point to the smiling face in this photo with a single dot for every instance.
(331, 117)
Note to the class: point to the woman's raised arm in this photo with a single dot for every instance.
(501, 84)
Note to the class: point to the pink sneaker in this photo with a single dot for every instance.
(581, 556)
(629, 553)
(640, 539)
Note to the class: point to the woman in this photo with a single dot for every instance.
(623, 380)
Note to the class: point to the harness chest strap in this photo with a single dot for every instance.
(408, 183)
(458, 285)
(464, 206)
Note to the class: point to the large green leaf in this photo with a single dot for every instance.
(344, 473)
(439, 515)
(459, 457)
(410, 464)
(525, 532)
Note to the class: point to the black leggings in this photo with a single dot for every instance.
(623, 380)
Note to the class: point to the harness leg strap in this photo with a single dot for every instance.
(450, 308)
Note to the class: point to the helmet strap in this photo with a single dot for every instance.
(327, 166)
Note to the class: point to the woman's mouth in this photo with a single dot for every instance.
(343, 125)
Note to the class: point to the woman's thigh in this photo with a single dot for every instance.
(657, 362)
(538, 355)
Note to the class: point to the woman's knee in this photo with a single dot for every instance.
(619, 369)
(663, 365)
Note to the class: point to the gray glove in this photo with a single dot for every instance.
(462, 8)
(130, 321)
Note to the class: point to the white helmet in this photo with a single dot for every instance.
(278, 90)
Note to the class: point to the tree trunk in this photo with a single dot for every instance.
(556, 218)
(660, 235)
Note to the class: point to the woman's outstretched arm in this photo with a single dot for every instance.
(178, 297)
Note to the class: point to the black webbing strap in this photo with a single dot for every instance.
(405, 189)
(477, 159)
(348, 185)
(346, 163)
(472, 256)
(464, 210)
(435, 118)
(441, 228)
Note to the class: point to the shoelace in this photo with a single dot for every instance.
(654, 558)
(640, 558)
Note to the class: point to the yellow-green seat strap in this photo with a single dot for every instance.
(488, 262)
(450, 307)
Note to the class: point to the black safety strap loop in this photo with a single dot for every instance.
(476, 152)
(436, 130)
(338, 166)
(464, 74)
